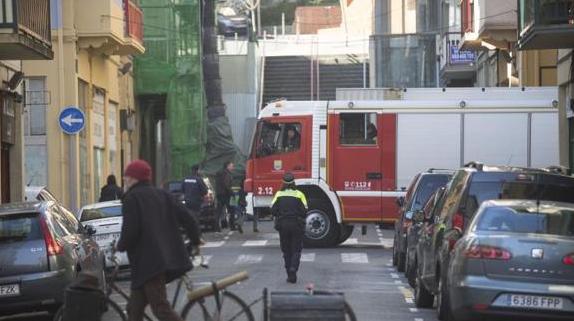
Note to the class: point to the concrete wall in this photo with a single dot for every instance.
(240, 74)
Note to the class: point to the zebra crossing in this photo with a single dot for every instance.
(247, 259)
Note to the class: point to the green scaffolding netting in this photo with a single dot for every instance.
(171, 69)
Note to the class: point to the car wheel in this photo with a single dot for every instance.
(423, 298)
(401, 262)
(395, 258)
(443, 303)
(322, 229)
(409, 270)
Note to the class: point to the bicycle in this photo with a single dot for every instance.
(110, 306)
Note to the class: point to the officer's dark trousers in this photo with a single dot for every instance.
(291, 238)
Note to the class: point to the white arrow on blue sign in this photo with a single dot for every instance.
(72, 120)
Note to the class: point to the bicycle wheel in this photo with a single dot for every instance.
(232, 309)
(113, 312)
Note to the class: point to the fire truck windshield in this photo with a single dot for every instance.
(277, 138)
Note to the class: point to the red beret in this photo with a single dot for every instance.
(138, 169)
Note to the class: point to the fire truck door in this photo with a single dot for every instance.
(355, 164)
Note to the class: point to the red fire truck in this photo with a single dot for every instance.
(353, 159)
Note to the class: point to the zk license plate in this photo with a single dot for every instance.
(106, 237)
(535, 302)
(9, 290)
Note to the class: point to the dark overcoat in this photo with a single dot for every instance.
(151, 234)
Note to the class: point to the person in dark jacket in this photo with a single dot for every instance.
(194, 189)
(224, 191)
(111, 191)
(289, 208)
(151, 236)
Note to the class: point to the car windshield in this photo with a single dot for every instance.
(519, 186)
(175, 187)
(549, 220)
(99, 213)
(428, 185)
(23, 227)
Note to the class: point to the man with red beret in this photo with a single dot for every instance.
(152, 238)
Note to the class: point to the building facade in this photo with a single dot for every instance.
(490, 28)
(93, 43)
(24, 35)
(544, 25)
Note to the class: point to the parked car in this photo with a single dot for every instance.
(106, 218)
(470, 187)
(516, 259)
(38, 193)
(42, 249)
(420, 218)
(229, 22)
(207, 214)
(418, 193)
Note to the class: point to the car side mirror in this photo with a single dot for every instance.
(419, 216)
(400, 201)
(89, 230)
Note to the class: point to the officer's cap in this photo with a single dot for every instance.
(288, 178)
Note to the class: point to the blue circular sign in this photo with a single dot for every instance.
(72, 120)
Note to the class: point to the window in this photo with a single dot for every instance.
(277, 138)
(429, 185)
(544, 220)
(21, 227)
(358, 129)
(35, 117)
(99, 213)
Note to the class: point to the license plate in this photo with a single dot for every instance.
(9, 290)
(106, 237)
(535, 302)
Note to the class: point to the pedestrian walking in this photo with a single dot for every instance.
(151, 236)
(194, 190)
(111, 191)
(224, 191)
(289, 208)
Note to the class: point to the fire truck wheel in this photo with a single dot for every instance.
(346, 232)
(322, 228)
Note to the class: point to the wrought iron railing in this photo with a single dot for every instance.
(29, 16)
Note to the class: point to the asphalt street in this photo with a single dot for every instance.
(360, 268)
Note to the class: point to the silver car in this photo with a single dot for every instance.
(42, 249)
(517, 258)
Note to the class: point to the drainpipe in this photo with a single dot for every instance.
(61, 100)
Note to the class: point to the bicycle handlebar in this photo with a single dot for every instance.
(219, 285)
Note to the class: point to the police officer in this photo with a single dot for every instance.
(289, 207)
(194, 189)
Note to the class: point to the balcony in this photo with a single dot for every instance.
(487, 24)
(113, 27)
(457, 67)
(25, 30)
(546, 24)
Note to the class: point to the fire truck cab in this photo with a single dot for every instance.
(352, 159)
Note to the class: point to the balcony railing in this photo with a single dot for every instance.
(28, 16)
(133, 20)
(546, 13)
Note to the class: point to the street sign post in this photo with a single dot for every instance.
(72, 120)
